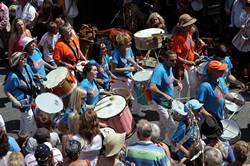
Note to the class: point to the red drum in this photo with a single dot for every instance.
(114, 111)
(60, 81)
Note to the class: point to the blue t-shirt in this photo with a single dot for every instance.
(92, 91)
(122, 61)
(227, 61)
(212, 96)
(163, 78)
(36, 57)
(13, 83)
(13, 145)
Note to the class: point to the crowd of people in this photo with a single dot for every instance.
(188, 88)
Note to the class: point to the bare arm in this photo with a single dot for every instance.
(114, 68)
(235, 81)
(13, 99)
(154, 88)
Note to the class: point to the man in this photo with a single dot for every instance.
(27, 12)
(67, 49)
(145, 152)
(213, 91)
(162, 87)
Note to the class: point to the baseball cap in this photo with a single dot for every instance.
(42, 153)
(193, 104)
(216, 66)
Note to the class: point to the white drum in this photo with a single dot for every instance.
(231, 131)
(48, 102)
(60, 82)
(149, 39)
(179, 111)
(231, 106)
(143, 75)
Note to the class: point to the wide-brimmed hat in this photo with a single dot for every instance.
(15, 57)
(26, 41)
(193, 104)
(211, 127)
(186, 20)
(113, 143)
(216, 66)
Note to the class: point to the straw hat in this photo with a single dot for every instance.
(186, 20)
(15, 57)
(113, 143)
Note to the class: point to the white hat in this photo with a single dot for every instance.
(113, 143)
(15, 57)
(26, 40)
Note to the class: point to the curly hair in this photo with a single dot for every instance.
(43, 120)
(155, 15)
(241, 151)
(16, 159)
(89, 125)
(4, 144)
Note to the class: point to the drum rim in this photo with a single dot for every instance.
(143, 71)
(239, 107)
(61, 82)
(148, 29)
(236, 137)
(125, 90)
(118, 112)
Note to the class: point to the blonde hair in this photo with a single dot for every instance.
(155, 15)
(73, 123)
(16, 159)
(123, 38)
(75, 99)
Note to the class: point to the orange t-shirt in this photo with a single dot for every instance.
(182, 45)
(62, 51)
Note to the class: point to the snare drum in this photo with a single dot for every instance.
(49, 103)
(231, 131)
(141, 86)
(231, 106)
(178, 110)
(149, 39)
(60, 81)
(113, 111)
(125, 93)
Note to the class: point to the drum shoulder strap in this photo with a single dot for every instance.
(74, 52)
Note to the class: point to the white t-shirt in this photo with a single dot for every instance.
(4, 160)
(48, 43)
(26, 13)
(54, 139)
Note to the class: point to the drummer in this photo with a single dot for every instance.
(91, 86)
(67, 49)
(188, 130)
(213, 91)
(155, 20)
(102, 59)
(162, 87)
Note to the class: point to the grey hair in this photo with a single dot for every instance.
(153, 15)
(213, 157)
(144, 128)
(64, 28)
(156, 131)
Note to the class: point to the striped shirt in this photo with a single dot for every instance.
(146, 154)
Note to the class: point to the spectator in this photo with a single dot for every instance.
(213, 157)
(43, 155)
(155, 20)
(4, 148)
(145, 152)
(18, 32)
(241, 152)
(29, 150)
(16, 159)
(73, 149)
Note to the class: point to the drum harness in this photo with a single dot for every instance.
(74, 52)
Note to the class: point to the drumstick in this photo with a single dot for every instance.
(181, 98)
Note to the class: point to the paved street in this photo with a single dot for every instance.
(12, 123)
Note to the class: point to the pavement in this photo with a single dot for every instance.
(11, 117)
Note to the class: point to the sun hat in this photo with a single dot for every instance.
(193, 104)
(113, 143)
(186, 20)
(26, 41)
(211, 127)
(216, 66)
(42, 153)
(72, 148)
(15, 57)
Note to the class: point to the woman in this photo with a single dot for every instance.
(20, 88)
(183, 45)
(18, 32)
(91, 86)
(4, 148)
(155, 20)
(89, 131)
(102, 59)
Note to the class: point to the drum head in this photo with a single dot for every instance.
(231, 106)
(179, 107)
(55, 77)
(231, 129)
(48, 102)
(80, 65)
(148, 32)
(143, 75)
(106, 131)
(110, 106)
